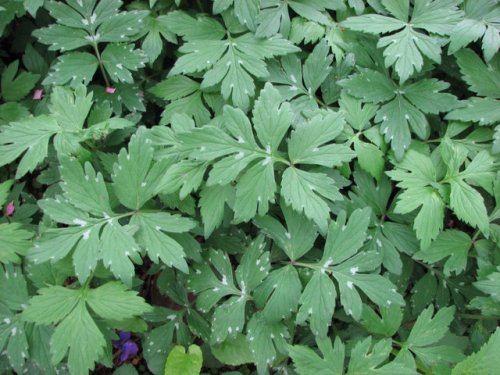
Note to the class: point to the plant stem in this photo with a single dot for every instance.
(477, 317)
(101, 66)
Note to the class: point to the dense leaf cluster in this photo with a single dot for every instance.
(300, 187)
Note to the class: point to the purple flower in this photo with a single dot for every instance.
(9, 210)
(110, 90)
(126, 347)
(37, 94)
(129, 350)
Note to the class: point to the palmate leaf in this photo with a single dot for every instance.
(426, 334)
(366, 357)
(343, 258)
(308, 362)
(266, 340)
(185, 96)
(95, 231)
(15, 240)
(296, 83)
(481, 21)
(482, 79)
(403, 107)
(404, 49)
(229, 317)
(15, 88)
(274, 18)
(229, 62)
(74, 67)
(82, 24)
(85, 192)
(235, 154)
(296, 239)
(245, 11)
(156, 29)
(75, 326)
(120, 59)
(417, 174)
(484, 361)
(280, 294)
(30, 137)
(240, 149)
(453, 244)
(318, 303)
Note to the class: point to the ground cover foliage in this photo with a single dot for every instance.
(300, 187)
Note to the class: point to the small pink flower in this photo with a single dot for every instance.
(37, 94)
(110, 90)
(9, 210)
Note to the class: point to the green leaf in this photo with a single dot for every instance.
(318, 303)
(13, 288)
(228, 319)
(387, 324)
(120, 59)
(15, 242)
(63, 38)
(230, 63)
(268, 109)
(213, 200)
(160, 246)
(345, 239)
(416, 173)
(180, 362)
(254, 266)
(309, 192)
(368, 358)
(342, 258)
(208, 286)
(72, 336)
(265, 340)
(308, 362)
(307, 144)
(273, 16)
(280, 293)
(15, 88)
(74, 67)
(490, 285)
(370, 158)
(52, 305)
(468, 205)
(451, 243)
(485, 111)
(296, 239)
(429, 330)
(5, 190)
(70, 108)
(479, 21)
(136, 179)
(481, 78)
(83, 187)
(117, 246)
(406, 108)
(112, 301)
(404, 49)
(156, 28)
(484, 361)
(189, 28)
(29, 138)
(304, 31)
(233, 352)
